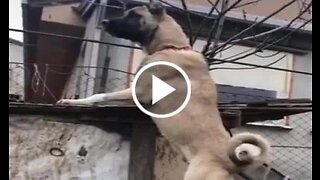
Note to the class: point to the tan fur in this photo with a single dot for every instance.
(197, 130)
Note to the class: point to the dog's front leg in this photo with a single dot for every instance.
(99, 98)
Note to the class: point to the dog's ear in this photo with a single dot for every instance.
(156, 9)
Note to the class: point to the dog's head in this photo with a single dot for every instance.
(137, 24)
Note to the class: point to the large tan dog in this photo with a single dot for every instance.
(197, 131)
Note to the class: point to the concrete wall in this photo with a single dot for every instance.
(89, 152)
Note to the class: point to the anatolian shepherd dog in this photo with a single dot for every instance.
(197, 131)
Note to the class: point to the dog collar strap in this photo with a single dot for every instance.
(178, 48)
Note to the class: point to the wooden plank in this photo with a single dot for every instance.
(142, 152)
(282, 103)
(53, 107)
(271, 103)
(131, 114)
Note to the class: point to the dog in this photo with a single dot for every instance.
(197, 131)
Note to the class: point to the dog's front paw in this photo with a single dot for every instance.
(65, 101)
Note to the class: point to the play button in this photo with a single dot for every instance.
(161, 89)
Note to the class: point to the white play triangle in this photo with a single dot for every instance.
(160, 89)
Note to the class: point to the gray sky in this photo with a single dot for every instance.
(15, 19)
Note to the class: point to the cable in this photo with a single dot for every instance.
(75, 66)
(259, 66)
(253, 48)
(287, 26)
(267, 65)
(38, 78)
(267, 56)
(71, 37)
(253, 25)
(261, 48)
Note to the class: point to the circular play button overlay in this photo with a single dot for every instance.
(161, 89)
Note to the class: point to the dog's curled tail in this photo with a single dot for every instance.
(248, 150)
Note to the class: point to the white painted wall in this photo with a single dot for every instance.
(90, 58)
(119, 59)
(16, 71)
(82, 80)
(32, 137)
(15, 19)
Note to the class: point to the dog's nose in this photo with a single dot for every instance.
(105, 22)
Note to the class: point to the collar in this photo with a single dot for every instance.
(186, 48)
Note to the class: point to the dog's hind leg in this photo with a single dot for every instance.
(99, 98)
(196, 172)
(204, 169)
(207, 173)
(221, 174)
